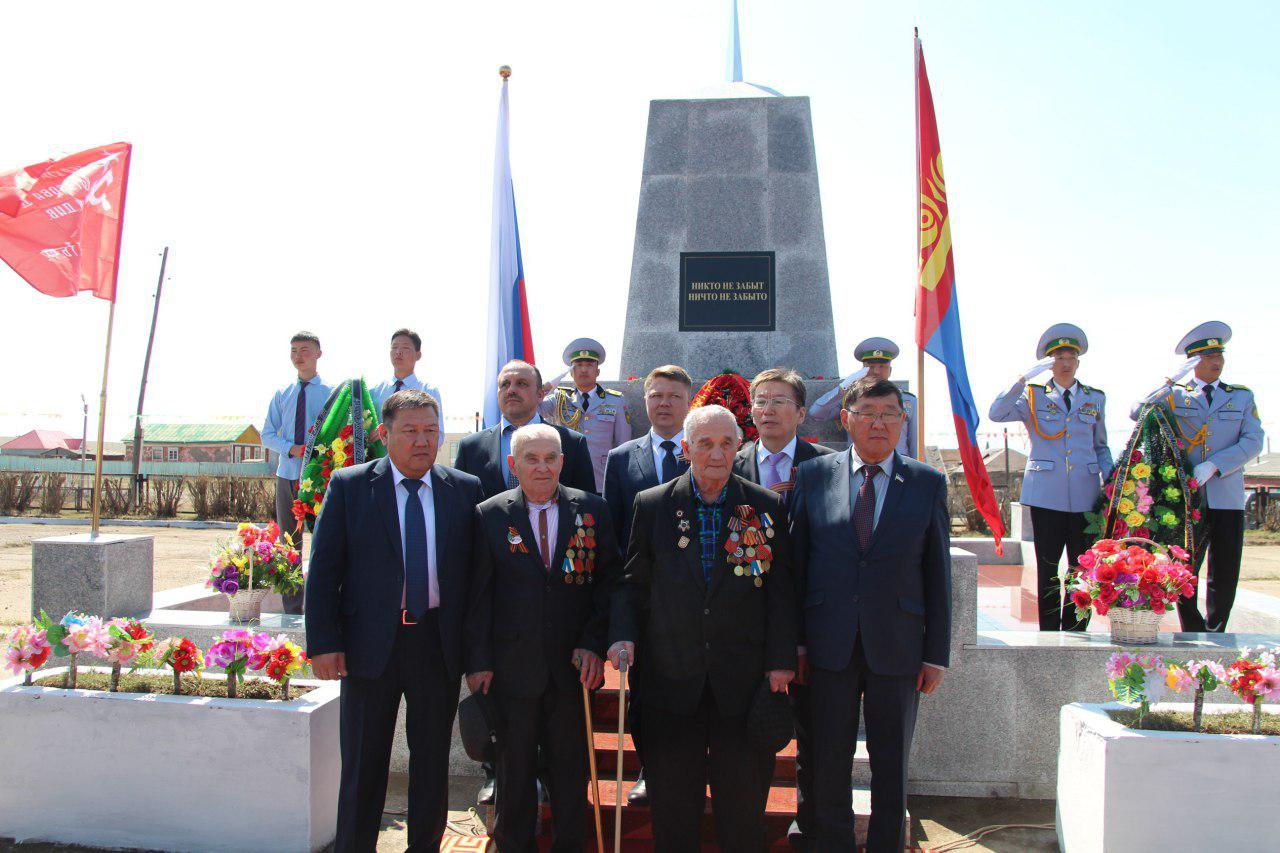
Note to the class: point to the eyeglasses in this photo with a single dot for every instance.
(773, 403)
(883, 417)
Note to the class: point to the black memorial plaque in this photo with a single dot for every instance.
(727, 292)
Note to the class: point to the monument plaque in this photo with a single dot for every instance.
(727, 292)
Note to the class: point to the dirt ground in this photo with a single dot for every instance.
(182, 554)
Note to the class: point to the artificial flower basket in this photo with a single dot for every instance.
(246, 605)
(1133, 582)
(258, 561)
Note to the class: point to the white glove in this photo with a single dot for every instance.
(1039, 367)
(852, 378)
(1204, 471)
(1187, 366)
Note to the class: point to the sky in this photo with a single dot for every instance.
(329, 166)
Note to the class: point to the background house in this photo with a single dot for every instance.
(217, 442)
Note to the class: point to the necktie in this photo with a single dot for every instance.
(771, 474)
(670, 470)
(512, 480)
(543, 545)
(300, 415)
(586, 401)
(399, 385)
(417, 592)
(864, 508)
(1208, 394)
(1066, 398)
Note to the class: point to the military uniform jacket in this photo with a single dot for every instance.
(1069, 454)
(827, 407)
(1227, 433)
(689, 633)
(523, 621)
(606, 424)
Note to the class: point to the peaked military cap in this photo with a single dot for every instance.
(1205, 339)
(1062, 336)
(876, 349)
(584, 349)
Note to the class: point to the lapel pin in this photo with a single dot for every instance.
(898, 477)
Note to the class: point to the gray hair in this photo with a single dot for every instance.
(533, 432)
(703, 415)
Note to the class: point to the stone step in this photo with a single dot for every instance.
(784, 770)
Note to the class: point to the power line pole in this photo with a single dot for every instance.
(142, 391)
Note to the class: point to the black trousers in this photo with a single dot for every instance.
(1055, 530)
(286, 491)
(801, 713)
(889, 703)
(683, 752)
(1223, 538)
(555, 722)
(368, 724)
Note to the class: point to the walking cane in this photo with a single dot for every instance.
(591, 759)
(624, 666)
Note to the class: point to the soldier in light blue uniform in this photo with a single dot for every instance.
(876, 355)
(587, 407)
(1219, 424)
(1069, 460)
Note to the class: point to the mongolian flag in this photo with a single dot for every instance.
(938, 304)
(510, 336)
(60, 221)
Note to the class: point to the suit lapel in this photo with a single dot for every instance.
(495, 457)
(841, 494)
(440, 483)
(898, 478)
(643, 459)
(680, 507)
(383, 485)
(569, 510)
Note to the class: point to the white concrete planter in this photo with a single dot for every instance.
(1133, 791)
(169, 772)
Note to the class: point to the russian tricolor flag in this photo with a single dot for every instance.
(510, 336)
(938, 305)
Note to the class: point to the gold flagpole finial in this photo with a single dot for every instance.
(504, 72)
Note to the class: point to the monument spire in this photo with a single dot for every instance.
(735, 46)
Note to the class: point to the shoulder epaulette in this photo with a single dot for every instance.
(1094, 390)
(612, 392)
(568, 389)
(1226, 387)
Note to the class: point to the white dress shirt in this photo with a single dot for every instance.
(785, 462)
(429, 514)
(1074, 389)
(553, 525)
(659, 453)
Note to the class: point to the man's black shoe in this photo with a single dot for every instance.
(485, 797)
(639, 795)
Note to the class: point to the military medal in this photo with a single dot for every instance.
(683, 543)
(746, 548)
(516, 543)
(579, 555)
(683, 526)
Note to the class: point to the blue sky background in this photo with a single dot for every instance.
(1108, 164)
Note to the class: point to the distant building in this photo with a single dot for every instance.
(222, 442)
(55, 444)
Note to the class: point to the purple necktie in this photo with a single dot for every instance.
(399, 386)
(864, 508)
(543, 545)
(771, 475)
(300, 415)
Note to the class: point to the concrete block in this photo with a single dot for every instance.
(107, 575)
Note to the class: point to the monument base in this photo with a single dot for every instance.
(105, 575)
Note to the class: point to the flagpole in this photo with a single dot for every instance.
(920, 432)
(920, 443)
(102, 425)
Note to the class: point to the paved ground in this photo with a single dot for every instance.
(936, 821)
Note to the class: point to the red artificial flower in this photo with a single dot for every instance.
(346, 432)
(1101, 607)
(1142, 532)
(1180, 553)
(37, 660)
(1081, 598)
(1136, 456)
(1157, 607)
(1106, 547)
(1195, 515)
(1106, 574)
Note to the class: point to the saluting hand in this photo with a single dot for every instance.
(590, 668)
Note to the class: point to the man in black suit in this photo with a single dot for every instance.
(546, 563)
(707, 611)
(778, 409)
(484, 454)
(640, 464)
(385, 601)
(872, 550)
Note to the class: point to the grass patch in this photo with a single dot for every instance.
(163, 684)
(1233, 723)
(1262, 537)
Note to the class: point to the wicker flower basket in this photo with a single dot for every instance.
(1131, 627)
(246, 605)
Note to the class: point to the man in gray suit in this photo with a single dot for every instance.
(872, 555)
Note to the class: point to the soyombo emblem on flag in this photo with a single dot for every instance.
(60, 221)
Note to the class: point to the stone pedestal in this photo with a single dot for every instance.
(107, 575)
(730, 175)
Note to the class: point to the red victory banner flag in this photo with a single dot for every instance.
(60, 221)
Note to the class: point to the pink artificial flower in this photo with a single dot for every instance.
(1179, 553)
(1192, 482)
(1118, 664)
(89, 637)
(1180, 680)
(1269, 686)
(1195, 515)
(1088, 560)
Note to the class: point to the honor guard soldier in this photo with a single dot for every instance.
(876, 355)
(597, 412)
(1069, 460)
(1220, 426)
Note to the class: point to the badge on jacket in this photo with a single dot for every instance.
(516, 543)
(580, 554)
(747, 546)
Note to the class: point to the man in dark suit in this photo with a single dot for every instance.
(640, 464)
(707, 611)
(778, 409)
(546, 563)
(484, 454)
(386, 597)
(872, 550)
